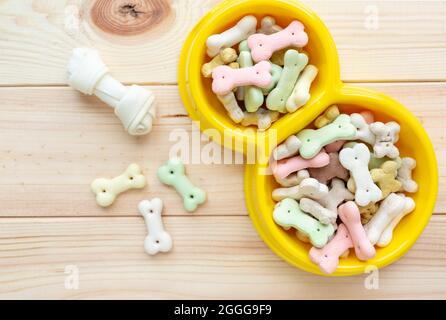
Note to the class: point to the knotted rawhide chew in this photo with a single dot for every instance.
(134, 106)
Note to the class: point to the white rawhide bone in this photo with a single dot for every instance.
(356, 160)
(293, 179)
(405, 175)
(106, 190)
(287, 149)
(312, 207)
(301, 92)
(308, 188)
(157, 240)
(262, 118)
(389, 209)
(387, 235)
(268, 26)
(134, 105)
(363, 131)
(241, 31)
(231, 105)
(386, 137)
(336, 196)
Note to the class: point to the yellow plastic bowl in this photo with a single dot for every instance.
(203, 106)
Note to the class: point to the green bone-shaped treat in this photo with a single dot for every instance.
(295, 62)
(173, 174)
(243, 46)
(253, 95)
(276, 72)
(288, 214)
(314, 140)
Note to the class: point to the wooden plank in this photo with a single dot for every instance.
(56, 141)
(37, 37)
(213, 258)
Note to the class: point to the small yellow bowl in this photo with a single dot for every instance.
(204, 107)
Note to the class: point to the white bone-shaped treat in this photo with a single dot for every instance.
(268, 26)
(134, 105)
(393, 206)
(262, 118)
(363, 131)
(356, 160)
(313, 208)
(287, 149)
(386, 137)
(231, 105)
(336, 196)
(405, 175)
(387, 235)
(308, 188)
(106, 190)
(293, 179)
(301, 92)
(241, 31)
(157, 240)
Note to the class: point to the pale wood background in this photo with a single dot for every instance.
(54, 142)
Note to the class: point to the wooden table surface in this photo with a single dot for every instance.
(55, 141)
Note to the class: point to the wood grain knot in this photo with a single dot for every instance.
(129, 17)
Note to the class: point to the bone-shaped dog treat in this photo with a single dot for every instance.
(405, 175)
(337, 195)
(334, 146)
(386, 137)
(225, 79)
(368, 211)
(173, 174)
(263, 46)
(308, 188)
(241, 31)
(387, 235)
(225, 56)
(327, 258)
(295, 62)
(253, 95)
(287, 149)
(276, 72)
(351, 217)
(328, 117)
(106, 190)
(243, 46)
(333, 170)
(285, 167)
(322, 214)
(157, 240)
(390, 208)
(134, 105)
(385, 178)
(314, 140)
(294, 179)
(356, 160)
(363, 131)
(268, 26)
(301, 93)
(231, 105)
(374, 161)
(287, 214)
(262, 118)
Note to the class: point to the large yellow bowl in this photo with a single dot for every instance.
(204, 107)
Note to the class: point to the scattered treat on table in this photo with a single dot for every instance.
(106, 190)
(157, 239)
(173, 174)
(134, 105)
(364, 174)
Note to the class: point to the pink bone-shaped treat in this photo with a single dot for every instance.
(327, 258)
(227, 78)
(351, 217)
(283, 168)
(263, 46)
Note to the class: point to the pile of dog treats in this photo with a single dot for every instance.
(343, 186)
(266, 76)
